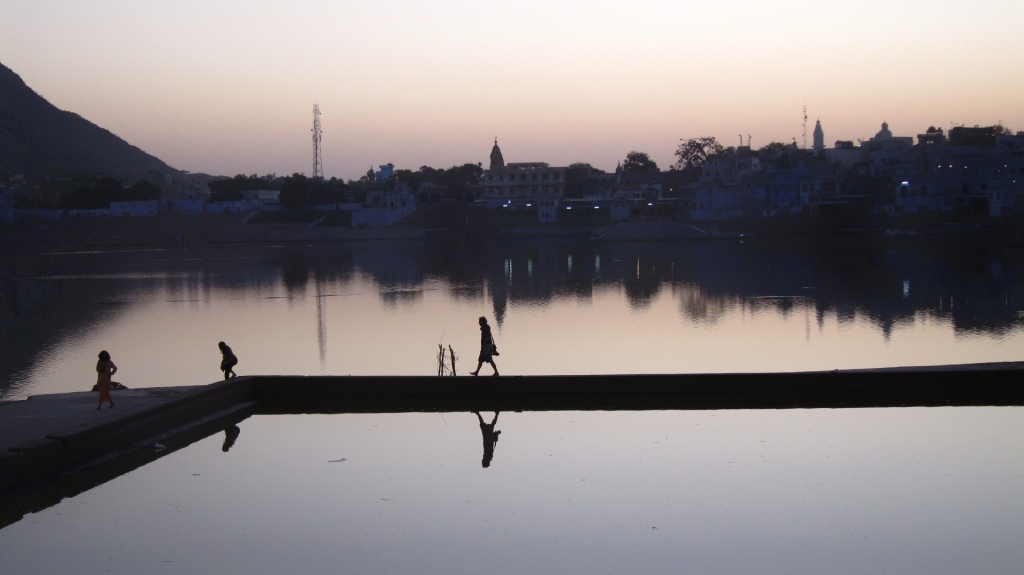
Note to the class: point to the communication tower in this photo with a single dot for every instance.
(805, 126)
(318, 161)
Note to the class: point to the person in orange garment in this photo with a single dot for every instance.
(104, 370)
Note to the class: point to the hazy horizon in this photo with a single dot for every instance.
(229, 87)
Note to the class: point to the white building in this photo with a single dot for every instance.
(547, 210)
(263, 197)
(885, 139)
(521, 182)
(819, 137)
(385, 173)
(846, 155)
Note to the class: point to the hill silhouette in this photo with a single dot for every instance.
(38, 138)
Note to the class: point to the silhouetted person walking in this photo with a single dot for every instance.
(490, 438)
(487, 348)
(104, 370)
(227, 365)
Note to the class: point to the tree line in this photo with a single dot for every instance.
(299, 191)
(97, 193)
(694, 153)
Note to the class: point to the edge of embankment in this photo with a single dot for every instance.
(39, 472)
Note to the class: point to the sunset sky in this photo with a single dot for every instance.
(224, 87)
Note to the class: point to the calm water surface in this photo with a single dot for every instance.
(921, 490)
(904, 490)
(557, 308)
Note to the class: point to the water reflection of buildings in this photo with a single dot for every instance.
(974, 288)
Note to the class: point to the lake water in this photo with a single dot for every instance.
(899, 490)
(557, 307)
(843, 491)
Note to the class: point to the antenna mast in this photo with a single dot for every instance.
(805, 126)
(318, 161)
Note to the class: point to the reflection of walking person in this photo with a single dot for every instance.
(487, 348)
(229, 362)
(490, 438)
(104, 370)
(230, 435)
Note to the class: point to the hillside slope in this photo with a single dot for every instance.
(36, 137)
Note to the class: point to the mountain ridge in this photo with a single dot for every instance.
(36, 137)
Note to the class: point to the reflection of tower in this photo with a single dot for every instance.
(318, 162)
(321, 324)
(819, 137)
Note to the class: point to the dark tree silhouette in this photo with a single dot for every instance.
(97, 194)
(639, 162)
(692, 154)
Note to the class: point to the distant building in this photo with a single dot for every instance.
(385, 173)
(263, 197)
(521, 182)
(847, 156)
(1012, 141)
(981, 137)
(547, 211)
(933, 137)
(819, 137)
(885, 139)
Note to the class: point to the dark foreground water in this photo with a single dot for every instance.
(902, 490)
(557, 307)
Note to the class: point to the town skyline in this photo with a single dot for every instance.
(229, 88)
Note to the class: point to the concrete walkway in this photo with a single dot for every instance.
(42, 415)
(54, 446)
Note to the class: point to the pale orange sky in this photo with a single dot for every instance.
(228, 87)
